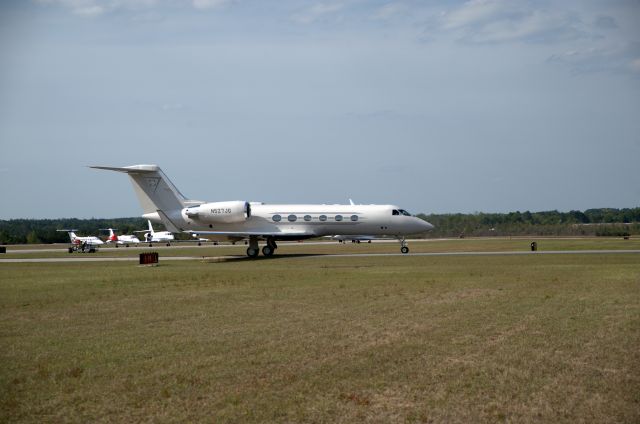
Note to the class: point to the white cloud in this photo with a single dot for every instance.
(389, 11)
(208, 4)
(92, 8)
(621, 58)
(316, 12)
(495, 21)
(475, 12)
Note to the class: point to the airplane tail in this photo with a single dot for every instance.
(72, 234)
(151, 232)
(153, 188)
(112, 235)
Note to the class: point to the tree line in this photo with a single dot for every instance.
(33, 231)
(591, 222)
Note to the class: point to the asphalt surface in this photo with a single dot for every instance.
(353, 255)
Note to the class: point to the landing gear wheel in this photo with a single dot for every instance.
(404, 249)
(168, 244)
(252, 252)
(199, 244)
(272, 243)
(267, 251)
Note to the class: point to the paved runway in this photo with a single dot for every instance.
(353, 255)
(190, 245)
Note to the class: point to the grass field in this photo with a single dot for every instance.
(349, 339)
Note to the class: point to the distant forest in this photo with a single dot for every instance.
(592, 222)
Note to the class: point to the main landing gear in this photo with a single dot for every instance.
(404, 248)
(268, 250)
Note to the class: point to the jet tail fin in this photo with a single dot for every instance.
(70, 231)
(153, 188)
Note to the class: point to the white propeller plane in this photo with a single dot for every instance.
(84, 244)
(237, 220)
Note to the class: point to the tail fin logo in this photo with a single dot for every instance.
(153, 182)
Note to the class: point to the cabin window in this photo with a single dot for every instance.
(307, 217)
(338, 218)
(292, 218)
(322, 218)
(395, 212)
(405, 213)
(277, 218)
(354, 218)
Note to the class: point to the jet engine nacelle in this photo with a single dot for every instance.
(219, 212)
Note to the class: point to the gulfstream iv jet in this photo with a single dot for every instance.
(237, 220)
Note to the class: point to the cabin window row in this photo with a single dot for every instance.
(322, 218)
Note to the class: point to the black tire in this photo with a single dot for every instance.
(267, 251)
(199, 244)
(252, 253)
(71, 250)
(404, 249)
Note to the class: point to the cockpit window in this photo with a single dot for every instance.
(395, 212)
(405, 213)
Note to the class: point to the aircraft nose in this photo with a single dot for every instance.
(425, 226)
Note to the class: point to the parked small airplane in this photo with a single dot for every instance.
(82, 244)
(151, 236)
(125, 239)
(238, 220)
(75, 239)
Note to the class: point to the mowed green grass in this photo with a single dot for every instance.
(553, 338)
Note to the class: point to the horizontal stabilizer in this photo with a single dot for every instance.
(129, 169)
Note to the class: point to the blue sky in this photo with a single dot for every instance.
(449, 106)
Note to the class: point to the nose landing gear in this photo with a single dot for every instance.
(404, 248)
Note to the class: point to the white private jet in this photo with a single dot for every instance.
(237, 220)
(84, 242)
(125, 239)
(151, 236)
